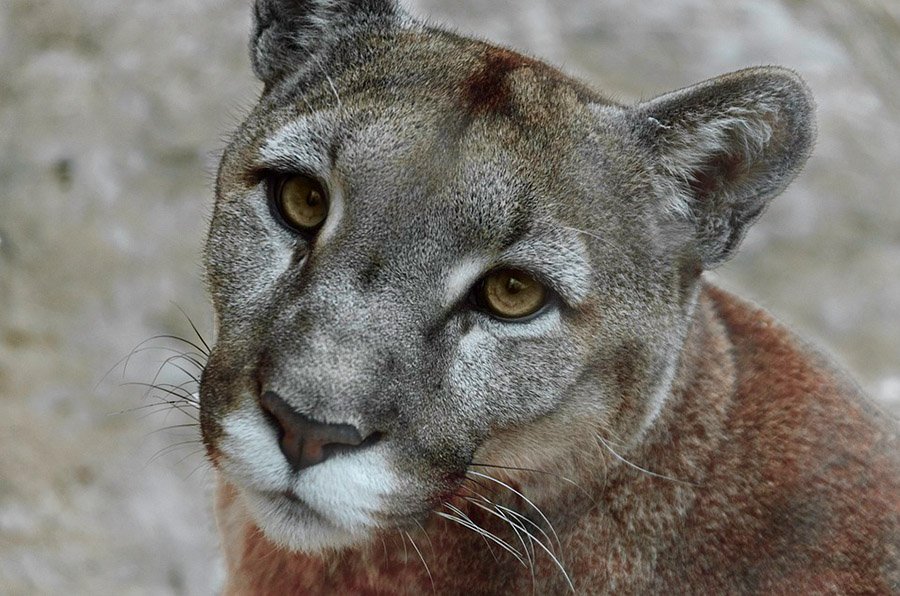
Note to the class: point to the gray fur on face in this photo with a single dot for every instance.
(447, 158)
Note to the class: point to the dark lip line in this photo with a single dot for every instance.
(292, 497)
(417, 517)
(296, 503)
(275, 495)
(286, 494)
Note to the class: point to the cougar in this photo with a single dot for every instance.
(465, 345)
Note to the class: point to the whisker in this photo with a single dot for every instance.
(519, 527)
(529, 553)
(171, 448)
(203, 349)
(482, 485)
(466, 521)
(191, 454)
(640, 469)
(192, 357)
(552, 556)
(524, 519)
(488, 544)
(204, 464)
(427, 537)
(172, 427)
(536, 471)
(140, 347)
(172, 362)
(179, 391)
(418, 552)
(162, 404)
(556, 560)
(405, 552)
(189, 398)
(186, 407)
(485, 535)
(194, 327)
(524, 498)
(176, 391)
(168, 407)
(168, 362)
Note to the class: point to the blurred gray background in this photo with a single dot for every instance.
(112, 116)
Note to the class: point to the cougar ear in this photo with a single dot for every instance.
(287, 33)
(724, 148)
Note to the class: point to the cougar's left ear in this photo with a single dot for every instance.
(724, 148)
(288, 33)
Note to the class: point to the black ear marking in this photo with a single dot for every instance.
(724, 148)
(287, 33)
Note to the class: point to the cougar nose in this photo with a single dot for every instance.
(305, 442)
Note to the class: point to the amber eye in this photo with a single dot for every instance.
(301, 202)
(512, 294)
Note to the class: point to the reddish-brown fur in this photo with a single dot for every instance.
(487, 89)
(785, 481)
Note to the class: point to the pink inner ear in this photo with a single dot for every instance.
(721, 171)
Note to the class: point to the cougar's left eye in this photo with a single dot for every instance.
(300, 200)
(511, 294)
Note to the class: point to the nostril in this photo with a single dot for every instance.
(278, 412)
(306, 442)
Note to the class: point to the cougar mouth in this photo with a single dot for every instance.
(290, 496)
(289, 499)
(290, 504)
(293, 522)
(333, 504)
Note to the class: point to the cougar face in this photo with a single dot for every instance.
(429, 253)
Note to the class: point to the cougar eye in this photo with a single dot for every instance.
(301, 201)
(511, 294)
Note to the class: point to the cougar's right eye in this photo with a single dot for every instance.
(300, 200)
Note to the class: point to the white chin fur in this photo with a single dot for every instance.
(294, 526)
(337, 501)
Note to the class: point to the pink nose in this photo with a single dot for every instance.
(305, 442)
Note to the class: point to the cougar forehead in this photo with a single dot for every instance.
(442, 152)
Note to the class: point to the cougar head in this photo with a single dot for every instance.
(429, 253)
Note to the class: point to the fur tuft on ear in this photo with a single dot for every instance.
(288, 33)
(724, 148)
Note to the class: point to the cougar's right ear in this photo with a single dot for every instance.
(288, 33)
